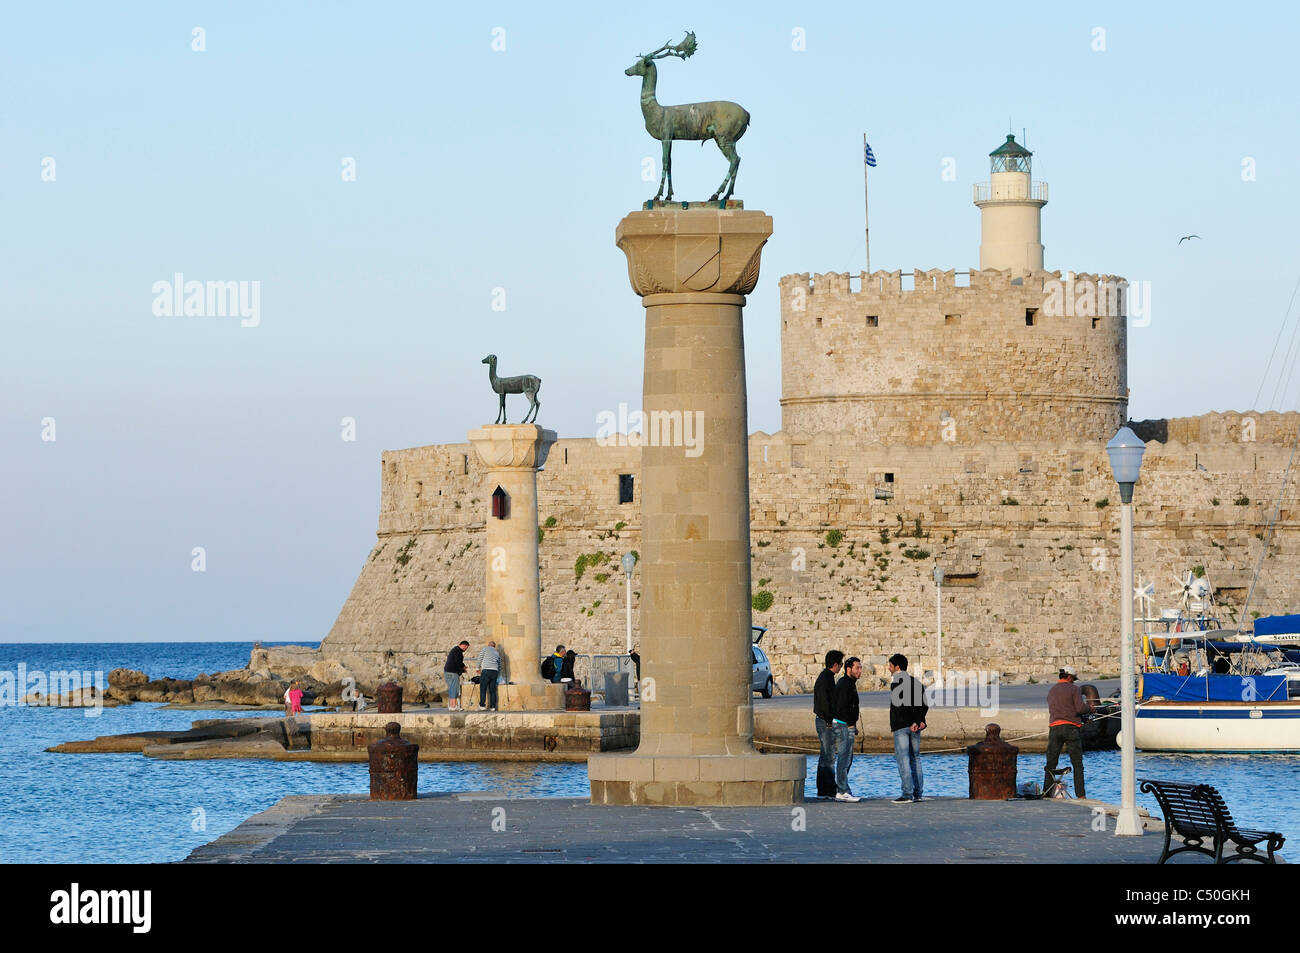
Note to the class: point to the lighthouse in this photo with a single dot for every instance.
(1010, 205)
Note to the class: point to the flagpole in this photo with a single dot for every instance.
(866, 219)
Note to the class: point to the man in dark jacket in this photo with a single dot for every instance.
(452, 670)
(844, 716)
(1066, 707)
(823, 689)
(907, 711)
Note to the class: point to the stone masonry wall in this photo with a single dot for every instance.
(954, 364)
(1027, 532)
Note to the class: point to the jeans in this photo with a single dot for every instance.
(453, 685)
(907, 752)
(1067, 737)
(826, 739)
(487, 689)
(844, 735)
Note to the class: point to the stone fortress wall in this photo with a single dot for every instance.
(933, 417)
(1040, 355)
(1027, 531)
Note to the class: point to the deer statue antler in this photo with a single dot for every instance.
(682, 49)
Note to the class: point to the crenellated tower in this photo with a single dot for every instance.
(1008, 352)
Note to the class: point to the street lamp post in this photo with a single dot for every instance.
(628, 564)
(938, 611)
(1125, 451)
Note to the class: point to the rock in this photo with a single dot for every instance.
(164, 690)
(240, 687)
(79, 698)
(126, 678)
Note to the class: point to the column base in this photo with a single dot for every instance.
(746, 780)
(528, 697)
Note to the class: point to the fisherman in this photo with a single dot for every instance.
(1066, 707)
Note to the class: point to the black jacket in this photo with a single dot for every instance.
(455, 661)
(907, 705)
(566, 669)
(844, 701)
(823, 689)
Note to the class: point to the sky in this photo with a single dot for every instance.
(495, 147)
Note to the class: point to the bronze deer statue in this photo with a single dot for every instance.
(525, 384)
(721, 121)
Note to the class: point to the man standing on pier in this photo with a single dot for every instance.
(489, 666)
(452, 670)
(1066, 707)
(844, 716)
(907, 711)
(823, 691)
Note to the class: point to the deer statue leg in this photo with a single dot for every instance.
(729, 182)
(534, 404)
(665, 165)
(668, 167)
(501, 413)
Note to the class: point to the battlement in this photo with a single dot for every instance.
(921, 357)
(1069, 294)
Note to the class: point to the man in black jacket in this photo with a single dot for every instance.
(822, 692)
(844, 716)
(907, 711)
(452, 670)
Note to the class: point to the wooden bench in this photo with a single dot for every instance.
(1196, 812)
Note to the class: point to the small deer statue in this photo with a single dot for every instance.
(721, 121)
(525, 384)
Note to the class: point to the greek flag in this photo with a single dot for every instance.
(868, 154)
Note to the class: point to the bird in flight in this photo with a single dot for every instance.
(1186, 237)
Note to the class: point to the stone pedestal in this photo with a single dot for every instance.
(692, 268)
(512, 454)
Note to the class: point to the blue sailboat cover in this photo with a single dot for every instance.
(1215, 688)
(1277, 625)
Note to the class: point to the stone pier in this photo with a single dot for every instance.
(692, 268)
(512, 454)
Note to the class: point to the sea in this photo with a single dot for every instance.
(126, 808)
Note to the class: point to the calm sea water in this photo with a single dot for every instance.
(106, 808)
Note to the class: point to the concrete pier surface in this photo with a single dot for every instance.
(487, 828)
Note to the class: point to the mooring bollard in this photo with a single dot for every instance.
(389, 698)
(394, 766)
(577, 699)
(992, 767)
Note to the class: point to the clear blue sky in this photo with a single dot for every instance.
(479, 169)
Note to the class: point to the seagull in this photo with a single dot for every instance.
(1186, 237)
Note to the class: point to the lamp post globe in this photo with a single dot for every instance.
(1125, 451)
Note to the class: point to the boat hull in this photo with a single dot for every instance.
(1263, 727)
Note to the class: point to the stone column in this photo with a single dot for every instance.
(692, 268)
(512, 454)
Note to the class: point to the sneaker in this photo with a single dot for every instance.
(848, 798)
(901, 799)
(917, 797)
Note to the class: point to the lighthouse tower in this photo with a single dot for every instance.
(1010, 204)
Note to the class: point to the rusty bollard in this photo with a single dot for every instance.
(577, 699)
(992, 767)
(389, 698)
(394, 766)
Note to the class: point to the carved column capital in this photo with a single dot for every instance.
(701, 249)
(512, 446)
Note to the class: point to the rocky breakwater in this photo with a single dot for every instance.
(259, 687)
(325, 681)
(419, 675)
